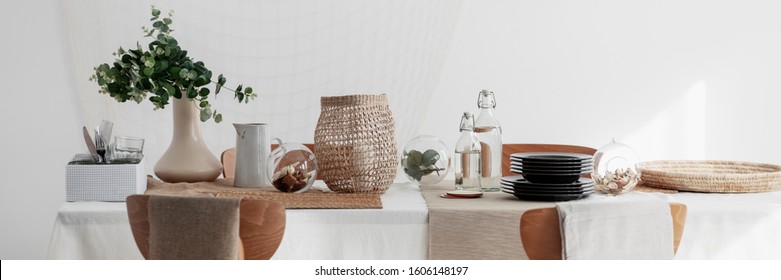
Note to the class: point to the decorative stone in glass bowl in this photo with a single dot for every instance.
(615, 169)
(425, 160)
(292, 167)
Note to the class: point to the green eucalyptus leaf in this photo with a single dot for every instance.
(414, 173)
(217, 117)
(221, 80)
(112, 72)
(206, 114)
(240, 96)
(167, 21)
(174, 70)
(430, 157)
(169, 89)
(146, 83)
(248, 90)
(414, 158)
(148, 71)
(183, 73)
(149, 62)
(203, 92)
(155, 12)
(201, 81)
(203, 104)
(161, 66)
(177, 93)
(217, 89)
(191, 93)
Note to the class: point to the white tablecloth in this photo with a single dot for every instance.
(100, 230)
(730, 226)
(718, 226)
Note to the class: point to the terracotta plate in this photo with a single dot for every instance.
(464, 194)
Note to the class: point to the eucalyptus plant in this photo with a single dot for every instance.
(417, 164)
(164, 70)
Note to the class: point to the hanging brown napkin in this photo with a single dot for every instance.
(193, 228)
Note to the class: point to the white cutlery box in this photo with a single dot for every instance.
(104, 182)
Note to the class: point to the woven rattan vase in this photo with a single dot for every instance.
(355, 143)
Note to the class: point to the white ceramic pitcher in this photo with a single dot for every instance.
(252, 150)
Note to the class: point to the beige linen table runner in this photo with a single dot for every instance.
(475, 228)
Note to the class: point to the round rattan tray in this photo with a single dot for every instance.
(711, 176)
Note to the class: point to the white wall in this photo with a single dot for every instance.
(674, 79)
(40, 120)
(691, 79)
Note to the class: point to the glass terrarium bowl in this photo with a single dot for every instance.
(615, 169)
(425, 160)
(292, 167)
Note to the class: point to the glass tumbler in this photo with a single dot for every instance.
(128, 149)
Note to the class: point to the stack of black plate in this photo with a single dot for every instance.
(549, 176)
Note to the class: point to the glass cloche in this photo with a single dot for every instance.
(292, 167)
(615, 169)
(425, 160)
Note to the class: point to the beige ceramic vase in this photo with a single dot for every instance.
(187, 158)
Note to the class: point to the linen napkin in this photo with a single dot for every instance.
(193, 228)
(635, 226)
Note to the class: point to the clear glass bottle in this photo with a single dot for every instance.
(467, 158)
(489, 133)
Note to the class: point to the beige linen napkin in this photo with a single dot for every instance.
(194, 228)
(630, 226)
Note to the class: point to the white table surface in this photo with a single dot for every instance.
(718, 226)
(100, 230)
(730, 226)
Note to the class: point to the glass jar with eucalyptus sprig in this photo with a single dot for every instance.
(159, 73)
(425, 160)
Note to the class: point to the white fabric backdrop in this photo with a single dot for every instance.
(290, 52)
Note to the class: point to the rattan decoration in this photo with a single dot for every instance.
(355, 143)
(711, 176)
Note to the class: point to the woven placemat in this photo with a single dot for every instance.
(311, 199)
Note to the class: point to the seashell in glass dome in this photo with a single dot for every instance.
(615, 169)
(292, 167)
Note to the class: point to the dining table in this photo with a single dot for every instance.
(418, 223)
